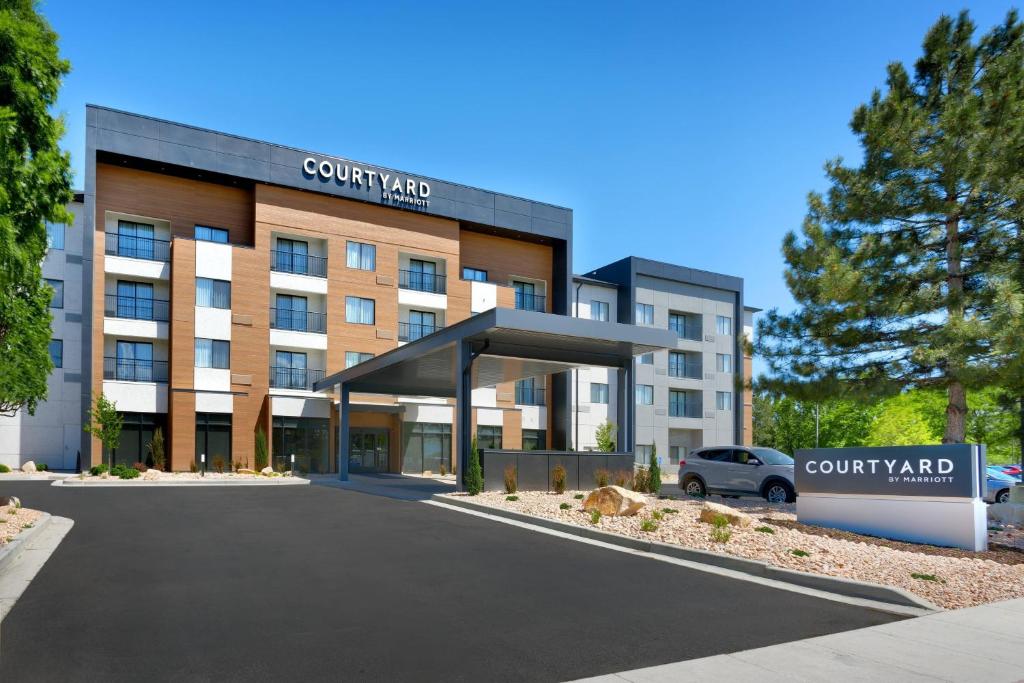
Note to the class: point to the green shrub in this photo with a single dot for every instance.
(97, 470)
(473, 479)
(564, 506)
(654, 473)
(670, 511)
(926, 577)
(26, 525)
(648, 525)
(4, 469)
(511, 479)
(721, 532)
(42, 467)
(157, 454)
(800, 553)
(765, 530)
(122, 472)
(558, 475)
(601, 476)
(262, 455)
(642, 480)
(658, 515)
(512, 498)
(578, 496)
(595, 516)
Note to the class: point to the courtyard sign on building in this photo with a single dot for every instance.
(926, 494)
(394, 188)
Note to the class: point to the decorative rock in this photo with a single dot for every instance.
(428, 473)
(267, 471)
(247, 471)
(1006, 513)
(736, 518)
(11, 501)
(614, 501)
(29, 466)
(151, 474)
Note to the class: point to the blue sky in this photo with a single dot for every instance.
(684, 132)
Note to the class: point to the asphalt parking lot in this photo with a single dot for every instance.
(316, 583)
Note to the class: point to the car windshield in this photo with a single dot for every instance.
(770, 456)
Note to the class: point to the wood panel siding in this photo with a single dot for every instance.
(250, 345)
(181, 403)
(506, 259)
(511, 429)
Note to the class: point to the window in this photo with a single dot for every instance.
(723, 400)
(213, 439)
(723, 362)
(646, 359)
(643, 454)
(644, 314)
(291, 313)
(683, 403)
(474, 274)
(136, 434)
(57, 352)
(527, 393)
(54, 235)
(135, 240)
(682, 364)
(598, 393)
(527, 298)
(723, 324)
(307, 438)
(686, 325)
(599, 310)
(58, 293)
(717, 455)
(213, 293)
(674, 453)
(645, 394)
(356, 357)
(135, 300)
(359, 311)
(289, 371)
(213, 353)
(207, 234)
(488, 436)
(534, 440)
(134, 363)
(421, 323)
(421, 277)
(292, 256)
(428, 446)
(361, 256)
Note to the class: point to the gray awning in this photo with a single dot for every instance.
(512, 344)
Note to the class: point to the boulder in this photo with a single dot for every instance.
(614, 501)
(267, 471)
(28, 467)
(1007, 513)
(11, 501)
(150, 474)
(735, 517)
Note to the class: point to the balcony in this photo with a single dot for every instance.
(145, 248)
(136, 308)
(530, 302)
(298, 321)
(299, 379)
(422, 282)
(408, 332)
(690, 369)
(134, 370)
(298, 264)
(528, 396)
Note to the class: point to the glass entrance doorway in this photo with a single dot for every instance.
(368, 450)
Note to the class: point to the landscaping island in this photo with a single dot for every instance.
(13, 520)
(948, 577)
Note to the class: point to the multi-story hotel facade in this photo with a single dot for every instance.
(214, 282)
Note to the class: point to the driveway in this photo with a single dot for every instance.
(321, 583)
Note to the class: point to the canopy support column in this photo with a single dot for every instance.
(343, 437)
(625, 410)
(463, 409)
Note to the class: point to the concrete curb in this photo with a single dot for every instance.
(135, 483)
(13, 550)
(830, 584)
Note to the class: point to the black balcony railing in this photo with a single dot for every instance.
(137, 247)
(301, 379)
(422, 282)
(528, 396)
(134, 370)
(298, 264)
(690, 369)
(298, 321)
(136, 308)
(529, 302)
(412, 331)
(684, 409)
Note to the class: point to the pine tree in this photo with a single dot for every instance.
(473, 479)
(654, 474)
(893, 274)
(35, 186)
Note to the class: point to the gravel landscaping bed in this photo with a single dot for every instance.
(151, 475)
(14, 520)
(950, 578)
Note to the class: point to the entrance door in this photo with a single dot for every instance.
(368, 450)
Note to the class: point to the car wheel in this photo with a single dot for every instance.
(1003, 496)
(694, 487)
(778, 492)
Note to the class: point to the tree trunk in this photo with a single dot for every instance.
(956, 414)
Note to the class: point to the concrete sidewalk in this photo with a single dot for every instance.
(977, 644)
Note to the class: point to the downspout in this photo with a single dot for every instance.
(576, 378)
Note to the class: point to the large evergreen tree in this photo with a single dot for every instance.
(894, 274)
(35, 186)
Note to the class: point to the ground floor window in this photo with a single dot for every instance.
(534, 440)
(675, 453)
(213, 439)
(426, 447)
(136, 434)
(308, 438)
(488, 436)
(368, 450)
(643, 454)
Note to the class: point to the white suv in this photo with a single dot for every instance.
(738, 471)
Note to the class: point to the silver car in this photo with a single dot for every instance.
(735, 471)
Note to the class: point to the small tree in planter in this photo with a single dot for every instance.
(473, 479)
(558, 475)
(157, 455)
(105, 423)
(654, 473)
(262, 457)
(605, 436)
(511, 480)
